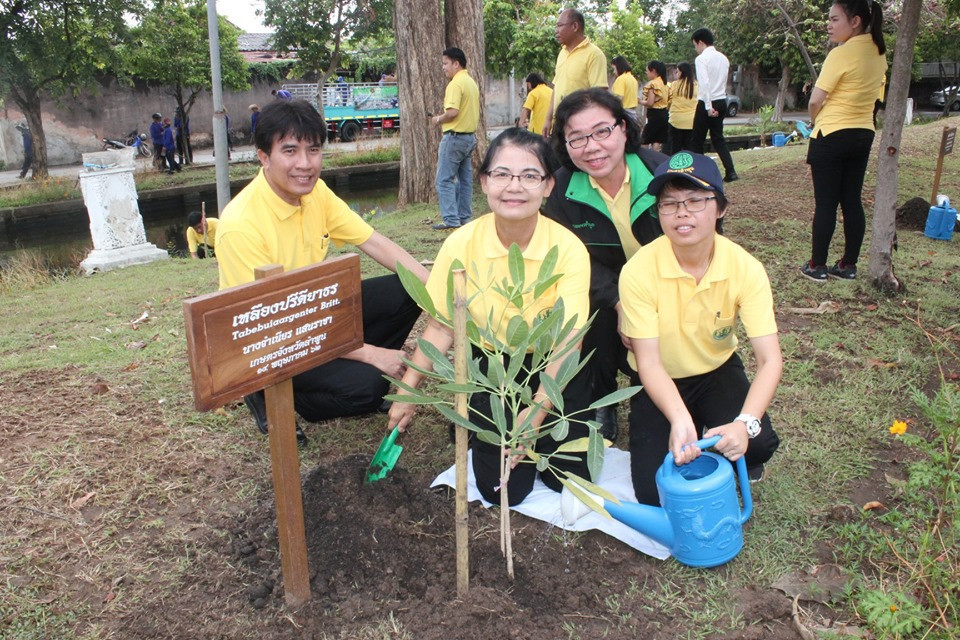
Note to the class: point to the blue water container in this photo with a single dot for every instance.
(940, 222)
(779, 139)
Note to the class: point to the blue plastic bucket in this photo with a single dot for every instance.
(779, 139)
(940, 223)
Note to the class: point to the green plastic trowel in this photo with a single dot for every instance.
(385, 457)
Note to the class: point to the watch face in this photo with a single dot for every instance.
(753, 428)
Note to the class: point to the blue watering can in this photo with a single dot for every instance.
(701, 521)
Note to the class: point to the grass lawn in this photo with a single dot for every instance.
(116, 492)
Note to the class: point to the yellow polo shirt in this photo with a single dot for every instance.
(259, 228)
(626, 87)
(619, 208)
(462, 94)
(695, 322)
(194, 239)
(659, 90)
(538, 102)
(682, 109)
(853, 75)
(582, 67)
(483, 255)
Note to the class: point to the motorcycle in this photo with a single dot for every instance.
(133, 139)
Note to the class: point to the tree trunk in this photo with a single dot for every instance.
(884, 213)
(420, 83)
(464, 29)
(782, 87)
(797, 40)
(29, 102)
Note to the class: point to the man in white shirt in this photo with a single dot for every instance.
(712, 69)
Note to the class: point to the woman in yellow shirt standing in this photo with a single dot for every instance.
(841, 111)
(625, 86)
(656, 101)
(682, 96)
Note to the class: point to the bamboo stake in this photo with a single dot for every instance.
(460, 372)
(203, 220)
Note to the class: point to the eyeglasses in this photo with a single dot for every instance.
(527, 180)
(563, 24)
(600, 134)
(692, 205)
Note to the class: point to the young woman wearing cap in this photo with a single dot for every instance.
(841, 110)
(681, 297)
(601, 195)
(516, 175)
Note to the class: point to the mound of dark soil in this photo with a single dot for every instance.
(387, 550)
(912, 214)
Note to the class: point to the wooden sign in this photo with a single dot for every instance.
(946, 146)
(246, 338)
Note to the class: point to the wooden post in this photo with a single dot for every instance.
(946, 146)
(460, 346)
(285, 462)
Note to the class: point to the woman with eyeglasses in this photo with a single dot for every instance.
(516, 175)
(601, 195)
(682, 295)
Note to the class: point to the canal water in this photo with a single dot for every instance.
(62, 241)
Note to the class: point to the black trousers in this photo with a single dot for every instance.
(702, 123)
(486, 457)
(342, 387)
(679, 140)
(172, 164)
(713, 399)
(609, 354)
(27, 161)
(838, 163)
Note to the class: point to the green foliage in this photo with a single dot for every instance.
(551, 337)
(172, 49)
(518, 35)
(275, 71)
(914, 545)
(765, 118)
(628, 36)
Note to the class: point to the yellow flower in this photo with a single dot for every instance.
(899, 428)
(893, 607)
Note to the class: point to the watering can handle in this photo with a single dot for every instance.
(741, 465)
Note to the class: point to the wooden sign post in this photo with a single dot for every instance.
(946, 147)
(258, 336)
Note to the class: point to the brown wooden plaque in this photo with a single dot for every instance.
(248, 337)
(946, 142)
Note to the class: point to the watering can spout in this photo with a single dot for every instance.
(650, 521)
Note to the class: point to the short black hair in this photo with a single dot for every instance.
(282, 118)
(621, 65)
(584, 99)
(703, 35)
(457, 55)
(577, 17)
(194, 218)
(659, 67)
(526, 140)
(535, 80)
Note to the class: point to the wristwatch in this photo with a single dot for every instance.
(753, 424)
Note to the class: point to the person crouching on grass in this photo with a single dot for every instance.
(516, 175)
(681, 297)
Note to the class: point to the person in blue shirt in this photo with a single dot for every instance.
(170, 147)
(254, 116)
(156, 137)
(27, 149)
(344, 90)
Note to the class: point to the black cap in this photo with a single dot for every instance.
(697, 169)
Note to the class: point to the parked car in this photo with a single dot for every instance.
(938, 98)
(733, 106)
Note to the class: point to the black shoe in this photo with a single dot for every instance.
(842, 271)
(609, 426)
(817, 273)
(756, 474)
(443, 226)
(258, 407)
(731, 177)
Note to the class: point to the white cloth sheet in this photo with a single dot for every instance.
(544, 504)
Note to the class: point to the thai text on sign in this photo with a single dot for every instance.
(245, 338)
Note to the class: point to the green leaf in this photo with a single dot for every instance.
(495, 371)
(574, 446)
(595, 454)
(614, 398)
(591, 487)
(489, 437)
(417, 290)
(584, 498)
(548, 265)
(460, 387)
(517, 332)
(515, 262)
(439, 359)
(554, 392)
(516, 361)
(450, 414)
(412, 399)
(498, 415)
(560, 431)
(542, 464)
(541, 287)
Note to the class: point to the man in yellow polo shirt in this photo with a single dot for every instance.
(201, 235)
(288, 216)
(681, 297)
(461, 114)
(580, 63)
